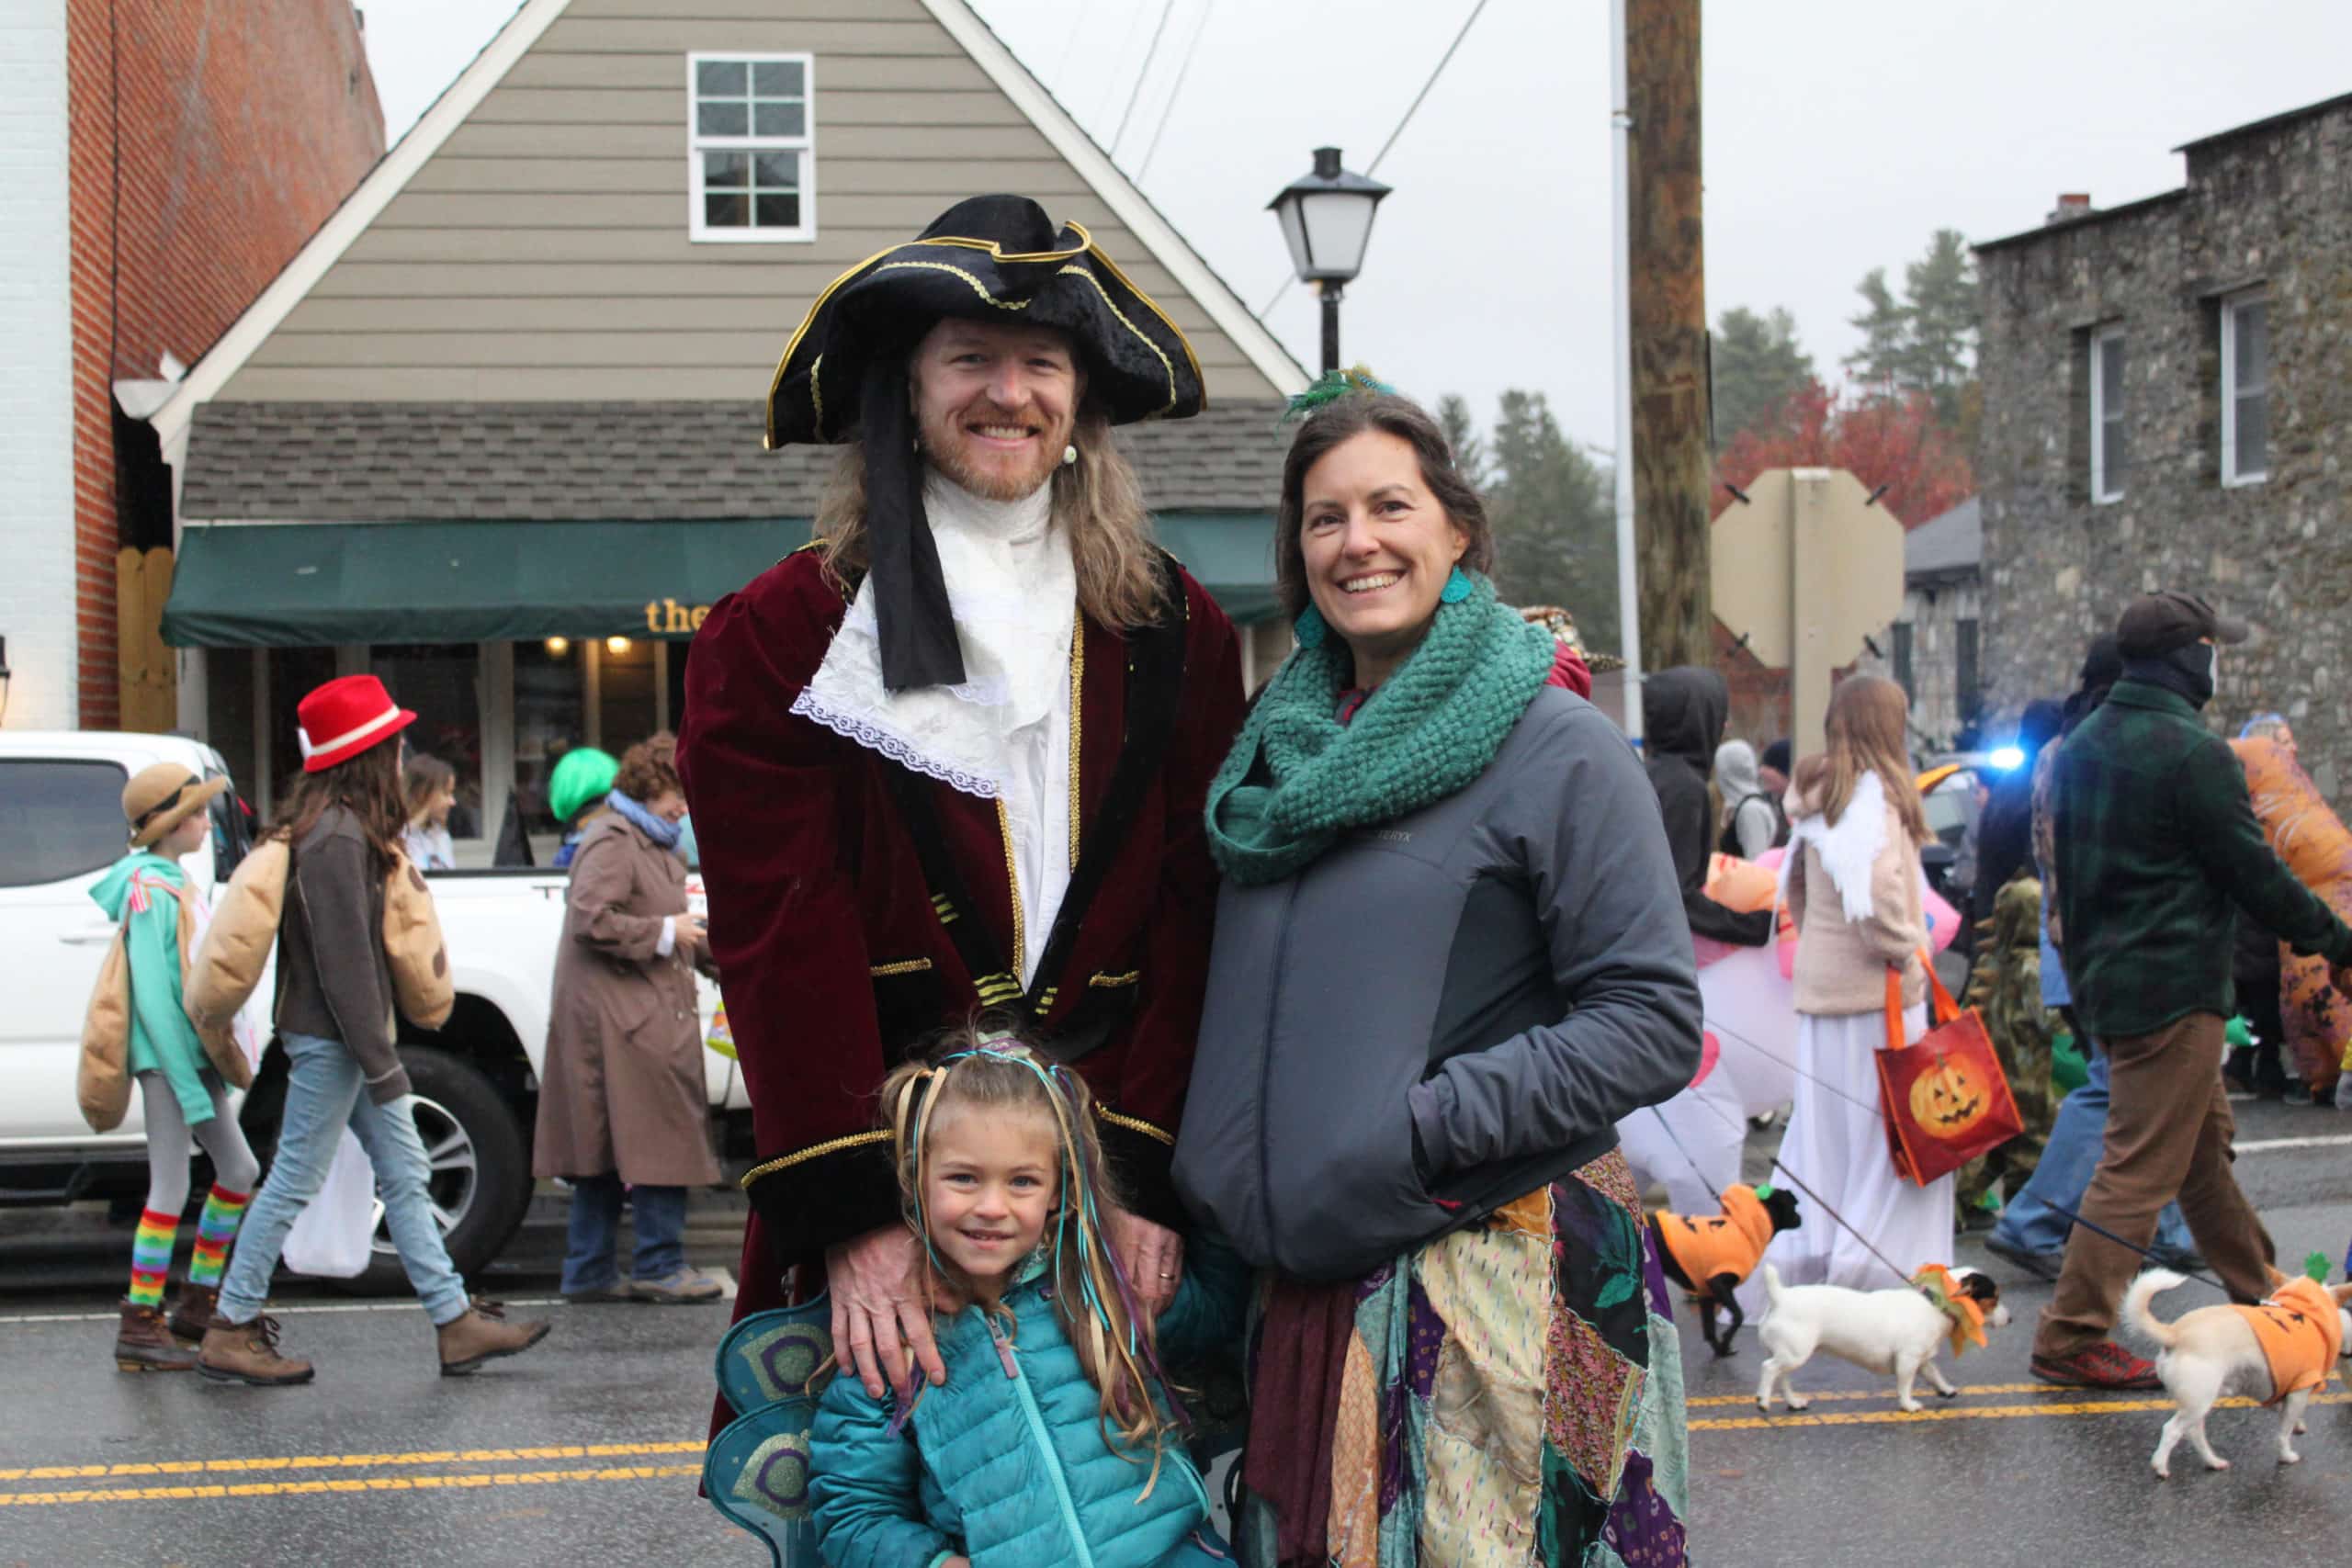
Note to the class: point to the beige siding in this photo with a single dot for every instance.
(543, 252)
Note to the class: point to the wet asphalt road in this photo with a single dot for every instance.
(584, 1451)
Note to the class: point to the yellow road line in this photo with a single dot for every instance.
(364, 1483)
(1953, 1412)
(1966, 1388)
(344, 1462)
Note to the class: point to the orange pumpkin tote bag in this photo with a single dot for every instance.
(1946, 1098)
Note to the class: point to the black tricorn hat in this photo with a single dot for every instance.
(987, 258)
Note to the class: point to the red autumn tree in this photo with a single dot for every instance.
(1893, 440)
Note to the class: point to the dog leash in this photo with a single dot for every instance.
(2098, 1229)
(1672, 1138)
(1844, 1225)
(1871, 1106)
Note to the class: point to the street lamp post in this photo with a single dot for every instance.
(1325, 216)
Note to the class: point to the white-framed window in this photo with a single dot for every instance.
(2246, 389)
(2110, 452)
(750, 147)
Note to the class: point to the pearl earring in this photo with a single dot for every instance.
(1069, 456)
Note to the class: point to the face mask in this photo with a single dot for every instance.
(2197, 662)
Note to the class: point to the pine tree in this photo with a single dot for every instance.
(1555, 537)
(1756, 364)
(1885, 325)
(1941, 357)
(1461, 435)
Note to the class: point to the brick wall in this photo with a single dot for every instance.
(209, 139)
(35, 369)
(2268, 206)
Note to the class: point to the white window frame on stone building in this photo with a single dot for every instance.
(2107, 409)
(762, 150)
(2243, 385)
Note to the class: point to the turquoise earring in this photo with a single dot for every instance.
(1456, 589)
(1309, 627)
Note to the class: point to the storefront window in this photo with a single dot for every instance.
(442, 682)
(549, 719)
(294, 672)
(624, 689)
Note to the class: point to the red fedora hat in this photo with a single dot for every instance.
(344, 717)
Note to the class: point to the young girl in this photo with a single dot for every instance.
(181, 1095)
(1051, 1440)
(429, 788)
(1855, 890)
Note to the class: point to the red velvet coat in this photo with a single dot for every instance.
(829, 938)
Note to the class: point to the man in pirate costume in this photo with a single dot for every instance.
(953, 754)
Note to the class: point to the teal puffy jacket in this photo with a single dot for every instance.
(1013, 1470)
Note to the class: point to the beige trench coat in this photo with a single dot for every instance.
(621, 1086)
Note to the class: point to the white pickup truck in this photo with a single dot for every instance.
(476, 1077)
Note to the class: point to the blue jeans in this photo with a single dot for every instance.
(323, 1095)
(2076, 1137)
(588, 1261)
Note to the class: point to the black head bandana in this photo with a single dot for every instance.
(912, 614)
(2186, 671)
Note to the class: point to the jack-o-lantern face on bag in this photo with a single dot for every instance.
(1947, 1099)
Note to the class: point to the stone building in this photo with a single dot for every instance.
(2167, 405)
(163, 161)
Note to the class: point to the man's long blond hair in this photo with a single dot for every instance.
(1098, 504)
(1865, 733)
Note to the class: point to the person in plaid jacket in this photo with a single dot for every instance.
(2157, 850)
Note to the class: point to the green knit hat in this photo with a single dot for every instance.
(584, 775)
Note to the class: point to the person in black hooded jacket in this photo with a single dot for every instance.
(1683, 714)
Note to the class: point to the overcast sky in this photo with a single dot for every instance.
(1831, 147)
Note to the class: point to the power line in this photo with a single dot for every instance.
(1410, 111)
(1166, 9)
(1168, 109)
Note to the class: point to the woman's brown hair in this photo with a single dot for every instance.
(1342, 420)
(650, 768)
(421, 778)
(1866, 734)
(367, 786)
(1097, 500)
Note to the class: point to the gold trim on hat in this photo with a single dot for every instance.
(1182, 342)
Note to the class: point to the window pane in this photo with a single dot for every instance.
(624, 692)
(781, 120)
(2253, 434)
(731, 170)
(2115, 457)
(720, 78)
(441, 681)
(778, 211)
(722, 120)
(548, 721)
(2110, 370)
(726, 212)
(59, 819)
(779, 171)
(776, 79)
(2251, 333)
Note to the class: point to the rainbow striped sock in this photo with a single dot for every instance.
(222, 1210)
(151, 1257)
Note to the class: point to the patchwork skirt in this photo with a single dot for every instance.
(1508, 1395)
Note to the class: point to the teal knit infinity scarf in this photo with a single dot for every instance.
(1297, 778)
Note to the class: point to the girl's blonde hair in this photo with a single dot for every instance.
(1865, 730)
(988, 1071)
(1098, 504)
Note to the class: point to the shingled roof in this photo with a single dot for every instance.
(393, 462)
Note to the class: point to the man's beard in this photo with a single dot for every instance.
(943, 448)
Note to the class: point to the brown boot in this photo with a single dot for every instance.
(196, 1310)
(483, 1334)
(247, 1353)
(144, 1345)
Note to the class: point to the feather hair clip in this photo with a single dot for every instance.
(1333, 386)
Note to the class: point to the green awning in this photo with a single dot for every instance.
(312, 584)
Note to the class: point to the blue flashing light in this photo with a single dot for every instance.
(2007, 759)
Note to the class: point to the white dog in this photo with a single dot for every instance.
(2281, 1350)
(1884, 1331)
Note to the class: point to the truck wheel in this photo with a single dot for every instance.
(481, 1176)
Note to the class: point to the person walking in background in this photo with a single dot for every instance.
(1752, 819)
(1683, 714)
(621, 1100)
(344, 817)
(2157, 847)
(1855, 890)
(2005, 827)
(429, 787)
(1773, 770)
(576, 795)
(1450, 957)
(2031, 1229)
(181, 1092)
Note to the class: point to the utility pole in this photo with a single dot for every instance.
(1673, 470)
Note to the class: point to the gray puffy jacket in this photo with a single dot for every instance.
(1500, 977)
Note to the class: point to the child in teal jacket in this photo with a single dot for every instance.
(181, 1096)
(1052, 1441)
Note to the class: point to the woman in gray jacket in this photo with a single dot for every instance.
(1449, 953)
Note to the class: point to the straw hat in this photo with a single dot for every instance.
(160, 797)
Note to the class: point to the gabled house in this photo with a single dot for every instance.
(495, 433)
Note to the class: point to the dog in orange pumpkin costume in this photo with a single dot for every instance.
(1892, 1331)
(2280, 1350)
(1712, 1255)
